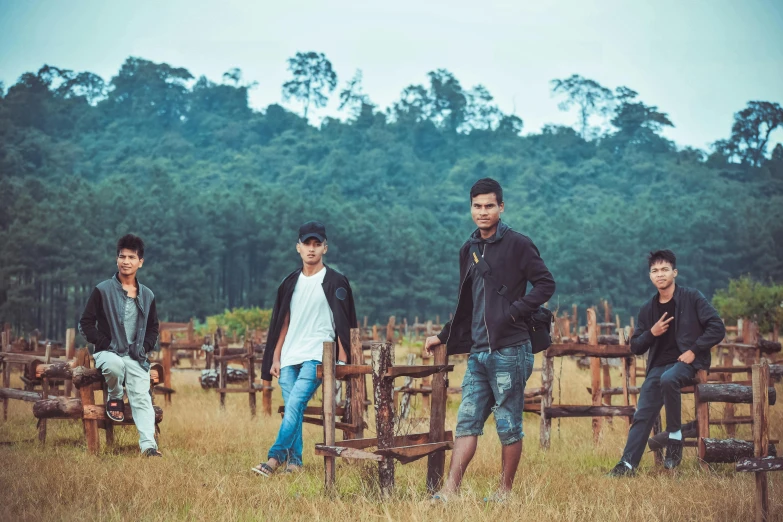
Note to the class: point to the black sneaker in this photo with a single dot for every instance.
(673, 454)
(152, 452)
(621, 470)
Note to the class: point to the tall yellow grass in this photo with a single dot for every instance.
(205, 474)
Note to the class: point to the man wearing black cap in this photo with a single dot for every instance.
(314, 305)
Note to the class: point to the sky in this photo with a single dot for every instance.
(699, 61)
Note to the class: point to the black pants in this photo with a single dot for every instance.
(661, 387)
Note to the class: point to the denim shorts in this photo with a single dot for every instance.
(495, 383)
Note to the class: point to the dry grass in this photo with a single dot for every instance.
(205, 474)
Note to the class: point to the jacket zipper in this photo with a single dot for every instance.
(489, 343)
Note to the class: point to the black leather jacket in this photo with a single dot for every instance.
(697, 327)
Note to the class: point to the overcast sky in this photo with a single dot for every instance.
(697, 60)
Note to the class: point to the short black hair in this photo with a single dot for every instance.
(653, 258)
(131, 242)
(487, 186)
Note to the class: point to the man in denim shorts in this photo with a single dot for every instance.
(496, 264)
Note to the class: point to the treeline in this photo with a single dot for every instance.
(217, 190)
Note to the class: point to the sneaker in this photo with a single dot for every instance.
(673, 454)
(621, 470)
(152, 452)
(659, 441)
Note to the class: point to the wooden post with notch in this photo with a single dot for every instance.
(329, 408)
(382, 360)
(595, 370)
(436, 461)
(761, 435)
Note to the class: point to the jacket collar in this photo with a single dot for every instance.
(118, 284)
(677, 293)
(475, 237)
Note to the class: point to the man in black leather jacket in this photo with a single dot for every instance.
(679, 327)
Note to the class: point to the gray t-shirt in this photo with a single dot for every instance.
(478, 326)
(131, 319)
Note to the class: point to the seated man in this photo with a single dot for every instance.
(120, 321)
(679, 327)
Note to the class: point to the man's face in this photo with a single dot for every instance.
(662, 275)
(128, 262)
(311, 251)
(485, 211)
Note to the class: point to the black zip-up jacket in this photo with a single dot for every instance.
(340, 298)
(514, 262)
(102, 322)
(697, 327)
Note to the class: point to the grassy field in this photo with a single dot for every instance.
(205, 474)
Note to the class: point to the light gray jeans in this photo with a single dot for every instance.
(122, 370)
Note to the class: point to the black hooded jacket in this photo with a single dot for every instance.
(514, 262)
(338, 295)
(697, 327)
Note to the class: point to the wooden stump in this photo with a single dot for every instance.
(702, 419)
(436, 461)
(382, 359)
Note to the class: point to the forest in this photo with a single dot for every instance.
(217, 189)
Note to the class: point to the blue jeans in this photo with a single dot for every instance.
(661, 387)
(495, 382)
(298, 383)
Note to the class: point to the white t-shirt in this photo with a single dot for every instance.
(311, 323)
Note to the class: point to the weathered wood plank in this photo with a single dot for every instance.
(586, 350)
(323, 450)
(589, 411)
(407, 454)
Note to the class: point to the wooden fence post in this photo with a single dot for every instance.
(4, 342)
(329, 411)
(222, 367)
(70, 353)
(761, 435)
(436, 461)
(165, 355)
(251, 373)
(44, 395)
(355, 406)
(382, 359)
(266, 397)
(547, 379)
(702, 419)
(595, 370)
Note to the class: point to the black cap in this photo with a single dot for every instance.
(314, 229)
